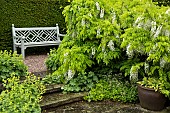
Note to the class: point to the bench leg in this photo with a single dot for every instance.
(22, 48)
(14, 47)
(23, 52)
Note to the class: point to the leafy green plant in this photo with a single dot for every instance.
(92, 38)
(132, 36)
(149, 37)
(51, 79)
(21, 97)
(10, 63)
(113, 89)
(82, 82)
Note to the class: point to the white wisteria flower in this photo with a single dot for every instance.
(102, 13)
(93, 51)
(111, 45)
(167, 11)
(113, 17)
(167, 33)
(158, 31)
(117, 36)
(129, 52)
(153, 27)
(103, 49)
(83, 22)
(70, 74)
(90, 15)
(137, 22)
(98, 31)
(66, 54)
(146, 66)
(133, 75)
(162, 62)
(98, 6)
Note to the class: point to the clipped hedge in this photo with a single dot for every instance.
(163, 2)
(29, 13)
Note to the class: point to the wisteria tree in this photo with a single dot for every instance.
(123, 35)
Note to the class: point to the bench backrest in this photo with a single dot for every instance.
(36, 34)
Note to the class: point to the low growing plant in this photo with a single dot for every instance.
(83, 82)
(21, 97)
(113, 89)
(11, 63)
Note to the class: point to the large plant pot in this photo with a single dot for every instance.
(149, 99)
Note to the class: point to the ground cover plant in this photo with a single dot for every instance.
(21, 97)
(119, 36)
(11, 63)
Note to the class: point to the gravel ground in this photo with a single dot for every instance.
(36, 63)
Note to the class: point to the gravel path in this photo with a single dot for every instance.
(36, 63)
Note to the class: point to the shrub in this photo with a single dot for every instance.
(91, 39)
(122, 35)
(11, 63)
(21, 97)
(113, 89)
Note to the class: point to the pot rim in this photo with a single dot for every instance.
(147, 88)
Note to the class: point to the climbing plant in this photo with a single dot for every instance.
(114, 33)
(92, 37)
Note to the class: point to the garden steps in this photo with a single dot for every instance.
(54, 97)
(53, 88)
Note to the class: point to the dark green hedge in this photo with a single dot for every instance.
(163, 2)
(29, 13)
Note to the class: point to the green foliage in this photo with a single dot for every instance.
(113, 89)
(157, 84)
(82, 82)
(130, 35)
(148, 36)
(51, 79)
(11, 63)
(21, 97)
(29, 13)
(92, 38)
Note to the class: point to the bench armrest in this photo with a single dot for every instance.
(61, 34)
(21, 37)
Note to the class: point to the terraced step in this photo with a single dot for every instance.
(57, 99)
(53, 88)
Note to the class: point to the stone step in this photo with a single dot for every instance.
(57, 99)
(54, 88)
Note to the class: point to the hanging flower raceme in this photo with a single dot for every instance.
(70, 75)
(129, 52)
(153, 27)
(146, 67)
(98, 6)
(111, 45)
(113, 17)
(167, 11)
(158, 31)
(93, 51)
(162, 63)
(98, 31)
(133, 74)
(83, 22)
(102, 13)
(138, 22)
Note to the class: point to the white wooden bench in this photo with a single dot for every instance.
(35, 36)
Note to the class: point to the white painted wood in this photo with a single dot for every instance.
(35, 36)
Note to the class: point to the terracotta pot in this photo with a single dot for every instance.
(151, 100)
